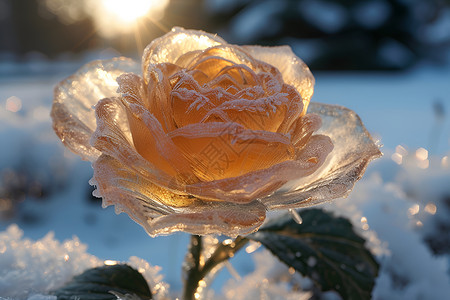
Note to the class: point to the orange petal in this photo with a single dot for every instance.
(295, 109)
(116, 141)
(152, 142)
(303, 129)
(262, 183)
(168, 48)
(261, 114)
(159, 97)
(189, 102)
(151, 206)
(294, 71)
(221, 150)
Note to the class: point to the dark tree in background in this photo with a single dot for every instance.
(327, 34)
(342, 34)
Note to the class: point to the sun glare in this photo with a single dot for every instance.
(128, 11)
(114, 17)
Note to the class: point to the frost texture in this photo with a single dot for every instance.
(22, 262)
(31, 269)
(270, 280)
(211, 136)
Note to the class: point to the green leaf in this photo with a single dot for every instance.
(324, 248)
(96, 284)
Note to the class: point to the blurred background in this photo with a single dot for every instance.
(389, 60)
(327, 34)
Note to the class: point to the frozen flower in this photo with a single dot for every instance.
(210, 136)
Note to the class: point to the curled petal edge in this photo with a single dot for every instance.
(74, 97)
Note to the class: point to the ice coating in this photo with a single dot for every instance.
(74, 99)
(211, 136)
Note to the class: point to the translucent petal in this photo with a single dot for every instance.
(111, 139)
(158, 99)
(168, 48)
(303, 128)
(294, 71)
(221, 150)
(161, 211)
(212, 218)
(261, 114)
(353, 149)
(72, 111)
(152, 143)
(190, 102)
(129, 191)
(261, 183)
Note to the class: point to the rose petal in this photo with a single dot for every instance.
(159, 97)
(303, 128)
(190, 102)
(262, 183)
(212, 218)
(168, 48)
(222, 150)
(236, 75)
(149, 205)
(294, 71)
(115, 141)
(129, 191)
(152, 142)
(353, 150)
(72, 111)
(261, 114)
(295, 109)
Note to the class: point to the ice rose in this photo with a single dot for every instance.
(210, 137)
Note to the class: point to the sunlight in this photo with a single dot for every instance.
(128, 11)
(114, 17)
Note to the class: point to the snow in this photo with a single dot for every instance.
(400, 206)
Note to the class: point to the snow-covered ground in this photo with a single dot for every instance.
(402, 205)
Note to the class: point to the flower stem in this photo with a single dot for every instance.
(196, 270)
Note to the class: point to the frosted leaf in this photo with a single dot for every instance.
(74, 98)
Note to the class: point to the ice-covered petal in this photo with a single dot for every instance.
(72, 111)
(168, 48)
(116, 141)
(294, 71)
(153, 144)
(190, 102)
(220, 150)
(303, 129)
(353, 149)
(263, 183)
(159, 98)
(161, 211)
(131, 192)
(260, 114)
(212, 218)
